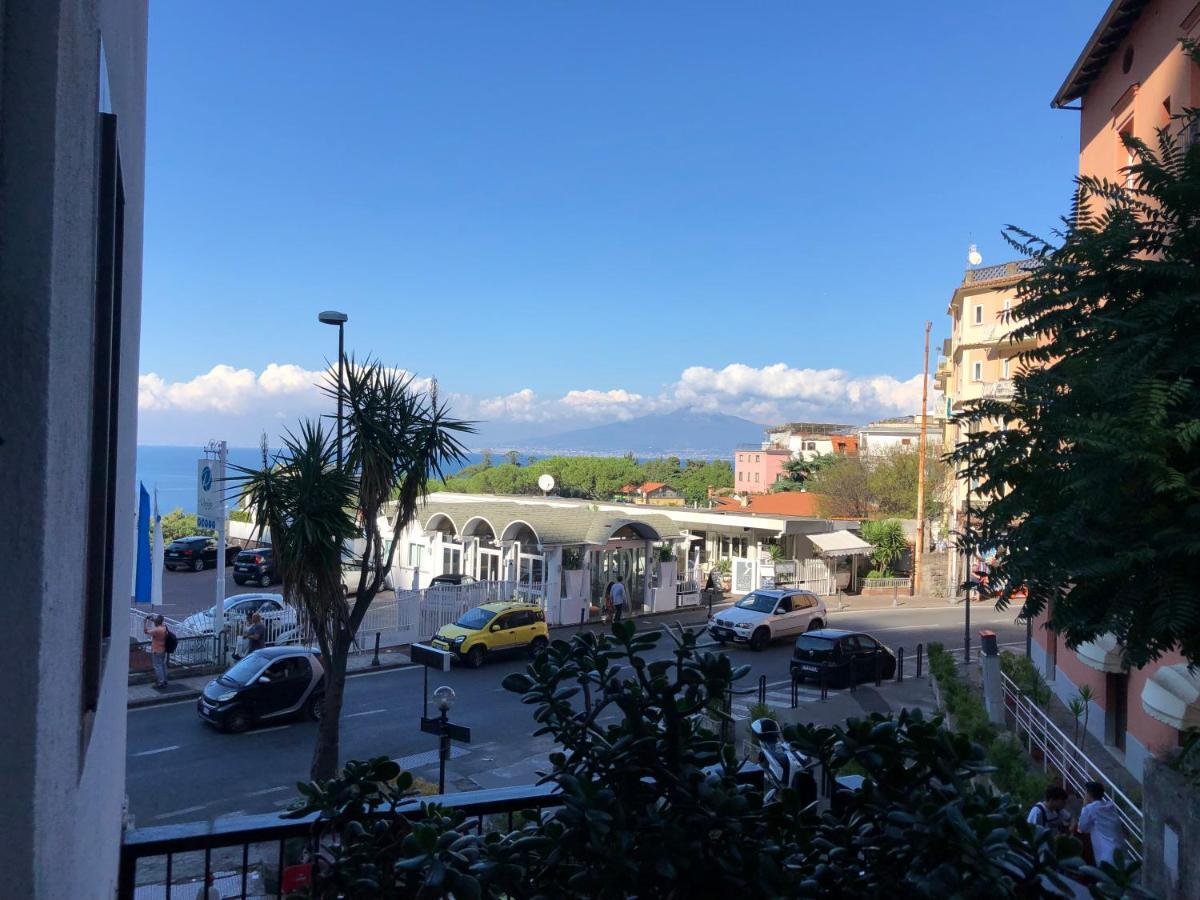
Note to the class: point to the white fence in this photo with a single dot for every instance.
(1059, 753)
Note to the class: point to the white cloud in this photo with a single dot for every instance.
(242, 403)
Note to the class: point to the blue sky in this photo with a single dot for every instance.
(647, 204)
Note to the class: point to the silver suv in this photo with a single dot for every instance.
(762, 616)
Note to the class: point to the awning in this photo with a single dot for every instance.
(1172, 695)
(839, 543)
(1103, 654)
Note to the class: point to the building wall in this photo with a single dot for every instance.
(1161, 72)
(754, 471)
(63, 773)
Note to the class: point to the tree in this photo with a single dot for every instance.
(513, 458)
(699, 475)
(177, 524)
(800, 472)
(395, 439)
(887, 540)
(843, 487)
(485, 460)
(1089, 478)
(893, 482)
(652, 805)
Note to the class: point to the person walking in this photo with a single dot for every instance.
(1049, 812)
(618, 598)
(158, 648)
(256, 634)
(1101, 821)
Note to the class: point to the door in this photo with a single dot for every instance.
(501, 635)
(866, 657)
(286, 682)
(784, 619)
(210, 552)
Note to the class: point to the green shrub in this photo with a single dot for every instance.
(876, 574)
(1025, 676)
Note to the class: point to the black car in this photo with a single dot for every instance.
(196, 553)
(453, 579)
(843, 655)
(267, 684)
(255, 564)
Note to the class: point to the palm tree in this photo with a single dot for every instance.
(395, 439)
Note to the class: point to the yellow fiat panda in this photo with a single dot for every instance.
(494, 628)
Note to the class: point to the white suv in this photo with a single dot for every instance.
(762, 616)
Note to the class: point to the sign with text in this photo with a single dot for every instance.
(430, 657)
(209, 506)
(439, 726)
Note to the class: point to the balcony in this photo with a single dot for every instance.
(1015, 269)
(999, 390)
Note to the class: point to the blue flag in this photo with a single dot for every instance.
(141, 592)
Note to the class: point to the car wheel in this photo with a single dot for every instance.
(475, 656)
(198, 566)
(264, 581)
(315, 708)
(345, 592)
(760, 639)
(238, 581)
(538, 646)
(815, 625)
(237, 722)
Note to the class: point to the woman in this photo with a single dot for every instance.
(608, 604)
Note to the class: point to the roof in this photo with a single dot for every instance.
(839, 543)
(831, 633)
(1114, 26)
(553, 523)
(502, 605)
(785, 503)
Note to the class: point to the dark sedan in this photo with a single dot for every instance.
(196, 553)
(256, 565)
(272, 683)
(842, 656)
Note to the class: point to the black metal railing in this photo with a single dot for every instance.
(266, 856)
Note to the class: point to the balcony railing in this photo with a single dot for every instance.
(999, 390)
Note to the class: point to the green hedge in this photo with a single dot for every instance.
(1012, 771)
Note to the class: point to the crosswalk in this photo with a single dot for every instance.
(779, 694)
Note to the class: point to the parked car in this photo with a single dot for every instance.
(494, 628)
(270, 606)
(763, 616)
(255, 564)
(845, 655)
(456, 579)
(352, 571)
(267, 684)
(196, 553)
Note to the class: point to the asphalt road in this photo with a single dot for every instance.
(180, 770)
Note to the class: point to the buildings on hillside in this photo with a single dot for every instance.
(72, 139)
(650, 493)
(902, 433)
(758, 466)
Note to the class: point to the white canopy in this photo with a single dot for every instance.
(839, 543)
(1172, 695)
(1103, 654)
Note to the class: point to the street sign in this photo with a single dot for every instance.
(430, 657)
(461, 733)
(209, 508)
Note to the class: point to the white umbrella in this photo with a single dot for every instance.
(156, 570)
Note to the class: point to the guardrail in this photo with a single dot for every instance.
(1042, 738)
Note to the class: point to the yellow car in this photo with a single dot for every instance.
(494, 628)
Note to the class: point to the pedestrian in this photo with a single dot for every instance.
(1101, 821)
(208, 891)
(618, 598)
(607, 602)
(1049, 812)
(256, 634)
(158, 648)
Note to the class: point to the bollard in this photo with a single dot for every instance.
(795, 692)
(762, 689)
(900, 664)
(920, 654)
(879, 668)
(710, 599)
(824, 684)
(582, 616)
(375, 661)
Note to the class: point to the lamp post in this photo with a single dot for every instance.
(443, 698)
(333, 317)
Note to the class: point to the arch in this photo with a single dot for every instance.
(479, 526)
(520, 530)
(439, 522)
(630, 528)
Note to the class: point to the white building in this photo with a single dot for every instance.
(900, 434)
(72, 138)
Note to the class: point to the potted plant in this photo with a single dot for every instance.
(725, 567)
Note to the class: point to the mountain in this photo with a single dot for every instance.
(684, 432)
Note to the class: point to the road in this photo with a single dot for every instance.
(180, 770)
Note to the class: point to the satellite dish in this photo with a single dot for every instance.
(974, 257)
(546, 482)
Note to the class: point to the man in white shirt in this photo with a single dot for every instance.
(1049, 813)
(1102, 822)
(618, 598)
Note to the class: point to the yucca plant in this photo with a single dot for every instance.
(395, 439)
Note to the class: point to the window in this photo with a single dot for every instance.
(756, 477)
(757, 458)
(1125, 155)
(414, 555)
(785, 606)
(977, 371)
(904, 442)
(1116, 709)
(810, 445)
(979, 314)
(106, 375)
(740, 474)
(1004, 364)
(803, 601)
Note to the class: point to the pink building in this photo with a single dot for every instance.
(756, 469)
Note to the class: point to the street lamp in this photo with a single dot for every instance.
(443, 698)
(333, 317)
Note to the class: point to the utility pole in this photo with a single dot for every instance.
(918, 557)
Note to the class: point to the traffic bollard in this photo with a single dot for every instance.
(879, 669)
(375, 661)
(824, 684)
(900, 664)
(920, 654)
(762, 689)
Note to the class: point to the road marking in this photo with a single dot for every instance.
(179, 812)
(157, 750)
(191, 702)
(269, 730)
(412, 668)
(369, 712)
(274, 790)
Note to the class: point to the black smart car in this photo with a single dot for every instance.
(255, 564)
(844, 655)
(267, 684)
(196, 552)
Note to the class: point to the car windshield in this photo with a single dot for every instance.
(815, 644)
(245, 670)
(756, 602)
(475, 619)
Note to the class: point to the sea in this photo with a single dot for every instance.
(172, 470)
